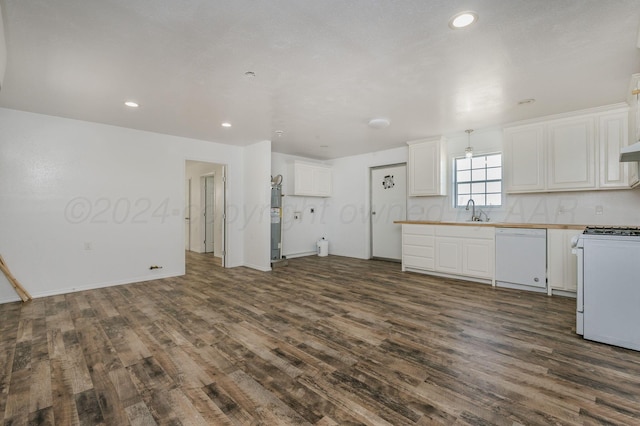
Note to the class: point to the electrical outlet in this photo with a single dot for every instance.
(599, 210)
(88, 245)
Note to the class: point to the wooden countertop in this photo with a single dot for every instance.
(496, 224)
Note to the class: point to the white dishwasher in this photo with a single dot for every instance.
(521, 258)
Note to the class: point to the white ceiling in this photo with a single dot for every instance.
(323, 68)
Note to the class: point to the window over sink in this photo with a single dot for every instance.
(478, 178)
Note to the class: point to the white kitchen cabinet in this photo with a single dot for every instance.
(418, 247)
(427, 167)
(613, 135)
(478, 258)
(468, 251)
(312, 180)
(524, 165)
(571, 155)
(561, 263)
(634, 129)
(449, 250)
(449, 255)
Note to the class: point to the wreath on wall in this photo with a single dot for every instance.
(388, 182)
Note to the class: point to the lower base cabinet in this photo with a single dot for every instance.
(478, 258)
(469, 252)
(562, 265)
(464, 251)
(418, 247)
(449, 255)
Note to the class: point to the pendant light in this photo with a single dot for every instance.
(468, 151)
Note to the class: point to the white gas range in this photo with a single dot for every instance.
(608, 296)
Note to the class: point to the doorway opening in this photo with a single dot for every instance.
(388, 186)
(205, 210)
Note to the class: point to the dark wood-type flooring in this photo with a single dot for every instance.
(324, 341)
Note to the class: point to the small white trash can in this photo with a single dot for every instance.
(323, 247)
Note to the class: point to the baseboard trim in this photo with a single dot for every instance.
(67, 290)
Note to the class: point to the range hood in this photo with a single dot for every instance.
(630, 153)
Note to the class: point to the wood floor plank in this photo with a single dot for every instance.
(185, 411)
(17, 405)
(89, 412)
(40, 396)
(95, 343)
(139, 415)
(161, 408)
(269, 409)
(124, 387)
(24, 330)
(111, 406)
(76, 369)
(190, 374)
(6, 362)
(65, 410)
(149, 376)
(207, 409)
(343, 399)
(325, 341)
(43, 417)
(226, 403)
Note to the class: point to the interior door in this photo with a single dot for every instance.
(209, 213)
(388, 204)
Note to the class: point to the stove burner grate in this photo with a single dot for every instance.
(630, 231)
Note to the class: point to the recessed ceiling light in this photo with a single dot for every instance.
(131, 104)
(526, 101)
(250, 74)
(379, 123)
(225, 124)
(279, 133)
(462, 19)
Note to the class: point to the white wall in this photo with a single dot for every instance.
(68, 185)
(3, 50)
(219, 210)
(256, 211)
(349, 218)
(299, 236)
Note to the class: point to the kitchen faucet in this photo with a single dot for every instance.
(475, 218)
(473, 209)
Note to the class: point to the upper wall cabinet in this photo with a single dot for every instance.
(524, 154)
(312, 180)
(571, 154)
(568, 154)
(427, 167)
(613, 131)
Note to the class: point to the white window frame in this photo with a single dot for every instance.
(485, 181)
